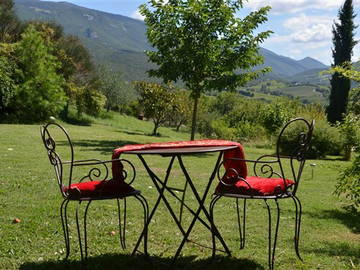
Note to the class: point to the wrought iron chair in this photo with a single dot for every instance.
(87, 189)
(269, 182)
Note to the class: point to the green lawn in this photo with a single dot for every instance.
(330, 238)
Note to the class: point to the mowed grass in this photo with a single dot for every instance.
(330, 237)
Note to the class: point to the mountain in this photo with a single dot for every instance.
(285, 67)
(110, 38)
(312, 76)
(121, 40)
(311, 63)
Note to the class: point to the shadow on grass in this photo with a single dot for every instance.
(78, 121)
(337, 249)
(102, 146)
(121, 261)
(157, 135)
(349, 219)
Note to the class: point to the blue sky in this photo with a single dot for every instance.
(301, 27)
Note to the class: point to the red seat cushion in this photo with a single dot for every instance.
(258, 186)
(99, 189)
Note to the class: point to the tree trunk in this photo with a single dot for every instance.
(193, 125)
(347, 154)
(156, 125)
(65, 111)
(178, 126)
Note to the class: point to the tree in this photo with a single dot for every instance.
(9, 23)
(114, 88)
(343, 40)
(7, 84)
(182, 109)
(88, 100)
(349, 72)
(349, 185)
(203, 44)
(40, 93)
(350, 127)
(157, 101)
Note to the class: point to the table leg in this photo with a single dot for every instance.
(160, 190)
(201, 206)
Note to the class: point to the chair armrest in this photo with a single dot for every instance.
(128, 169)
(253, 161)
(260, 167)
(85, 162)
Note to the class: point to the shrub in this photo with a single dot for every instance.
(246, 131)
(349, 184)
(204, 126)
(326, 140)
(276, 115)
(7, 84)
(350, 131)
(222, 131)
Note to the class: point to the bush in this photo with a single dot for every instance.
(276, 115)
(204, 126)
(350, 131)
(222, 131)
(326, 140)
(7, 84)
(246, 131)
(349, 184)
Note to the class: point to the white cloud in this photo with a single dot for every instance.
(308, 29)
(305, 35)
(136, 15)
(356, 55)
(316, 31)
(292, 6)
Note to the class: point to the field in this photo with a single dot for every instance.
(330, 237)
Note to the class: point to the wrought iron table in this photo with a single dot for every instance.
(161, 186)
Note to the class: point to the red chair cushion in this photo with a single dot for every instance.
(258, 186)
(99, 189)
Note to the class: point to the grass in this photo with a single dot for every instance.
(330, 237)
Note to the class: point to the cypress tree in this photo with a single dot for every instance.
(343, 42)
(9, 22)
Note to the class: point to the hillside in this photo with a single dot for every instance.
(121, 41)
(110, 38)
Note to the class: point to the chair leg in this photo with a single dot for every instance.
(122, 228)
(144, 233)
(272, 247)
(298, 211)
(65, 227)
(241, 222)
(85, 230)
(211, 213)
(82, 253)
(78, 230)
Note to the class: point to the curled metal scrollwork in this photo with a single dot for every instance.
(99, 173)
(54, 158)
(230, 176)
(50, 143)
(128, 171)
(263, 168)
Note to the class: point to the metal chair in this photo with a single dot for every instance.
(87, 189)
(270, 182)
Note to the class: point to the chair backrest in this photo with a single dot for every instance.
(55, 156)
(292, 146)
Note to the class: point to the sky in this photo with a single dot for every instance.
(302, 28)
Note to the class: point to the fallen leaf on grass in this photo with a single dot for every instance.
(16, 220)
